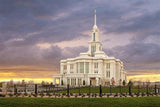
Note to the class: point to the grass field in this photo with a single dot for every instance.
(80, 102)
(106, 90)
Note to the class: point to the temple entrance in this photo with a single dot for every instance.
(93, 81)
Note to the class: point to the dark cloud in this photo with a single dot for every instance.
(138, 55)
(24, 24)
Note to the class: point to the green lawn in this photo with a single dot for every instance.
(83, 102)
(105, 90)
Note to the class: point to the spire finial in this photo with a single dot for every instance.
(95, 17)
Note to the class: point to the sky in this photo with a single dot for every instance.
(36, 34)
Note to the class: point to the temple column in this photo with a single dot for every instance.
(97, 81)
(69, 81)
(88, 81)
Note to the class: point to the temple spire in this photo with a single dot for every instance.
(95, 17)
(95, 26)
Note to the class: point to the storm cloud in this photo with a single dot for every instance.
(42, 32)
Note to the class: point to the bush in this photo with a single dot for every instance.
(84, 82)
(35, 95)
(48, 94)
(95, 95)
(76, 96)
(116, 95)
(131, 95)
(59, 95)
(83, 96)
(92, 95)
(63, 94)
(108, 95)
(41, 94)
(100, 95)
(1, 95)
(137, 94)
(61, 82)
(71, 94)
(25, 94)
(10, 95)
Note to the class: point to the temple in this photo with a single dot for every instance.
(91, 68)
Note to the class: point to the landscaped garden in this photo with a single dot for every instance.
(118, 89)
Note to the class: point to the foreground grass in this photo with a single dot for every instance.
(83, 102)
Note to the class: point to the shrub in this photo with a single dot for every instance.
(137, 94)
(124, 82)
(131, 95)
(16, 95)
(41, 94)
(84, 82)
(61, 82)
(10, 95)
(116, 95)
(92, 95)
(59, 95)
(48, 94)
(95, 95)
(71, 94)
(143, 94)
(123, 94)
(35, 95)
(63, 94)
(100, 95)
(83, 96)
(1, 95)
(25, 94)
(76, 96)
(108, 95)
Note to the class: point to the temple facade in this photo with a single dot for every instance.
(91, 68)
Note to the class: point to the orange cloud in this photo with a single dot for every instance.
(145, 77)
(19, 73)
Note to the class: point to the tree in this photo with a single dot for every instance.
(124, 82)
(83, 82)
(0, 84)
(42, 83)
(61, 82)
(130, 83)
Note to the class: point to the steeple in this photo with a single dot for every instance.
(95, 32)
(95, 26)
(94, 45)
(95, 17)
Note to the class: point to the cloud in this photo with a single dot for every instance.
(138, 55)
(41, 33)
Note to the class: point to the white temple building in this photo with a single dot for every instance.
(91, 68)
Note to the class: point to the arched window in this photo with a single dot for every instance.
(93, 36)
(93, 50)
